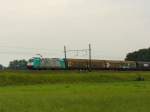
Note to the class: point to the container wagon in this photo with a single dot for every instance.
(120, 65)
(143, 65)
(83, 64)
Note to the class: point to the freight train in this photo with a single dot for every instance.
(38, 63)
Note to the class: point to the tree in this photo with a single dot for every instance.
(1, 67)
(18, 65)
(140, 55)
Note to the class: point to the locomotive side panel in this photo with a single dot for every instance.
(52, 63)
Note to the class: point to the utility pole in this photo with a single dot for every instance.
(90, 58)
(65, 54)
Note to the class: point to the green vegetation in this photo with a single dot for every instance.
(54, 77)
(88, 97)
(140, 55)
(73, 91)
(18, 65)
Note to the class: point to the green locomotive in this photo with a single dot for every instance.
(46, 63)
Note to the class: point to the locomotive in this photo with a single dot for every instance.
(38, 63)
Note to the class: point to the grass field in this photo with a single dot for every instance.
(64, 77)
(46, 91)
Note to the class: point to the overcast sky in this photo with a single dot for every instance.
(113, 27)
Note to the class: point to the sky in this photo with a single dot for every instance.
(113, 27)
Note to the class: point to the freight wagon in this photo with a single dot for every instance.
(120, 65)
(83, 64)
(143, 65)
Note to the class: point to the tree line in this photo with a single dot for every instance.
(140, 55)
(16, 65)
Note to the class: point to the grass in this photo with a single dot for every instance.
(88, 97)
(54, 77)
(73, 91)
